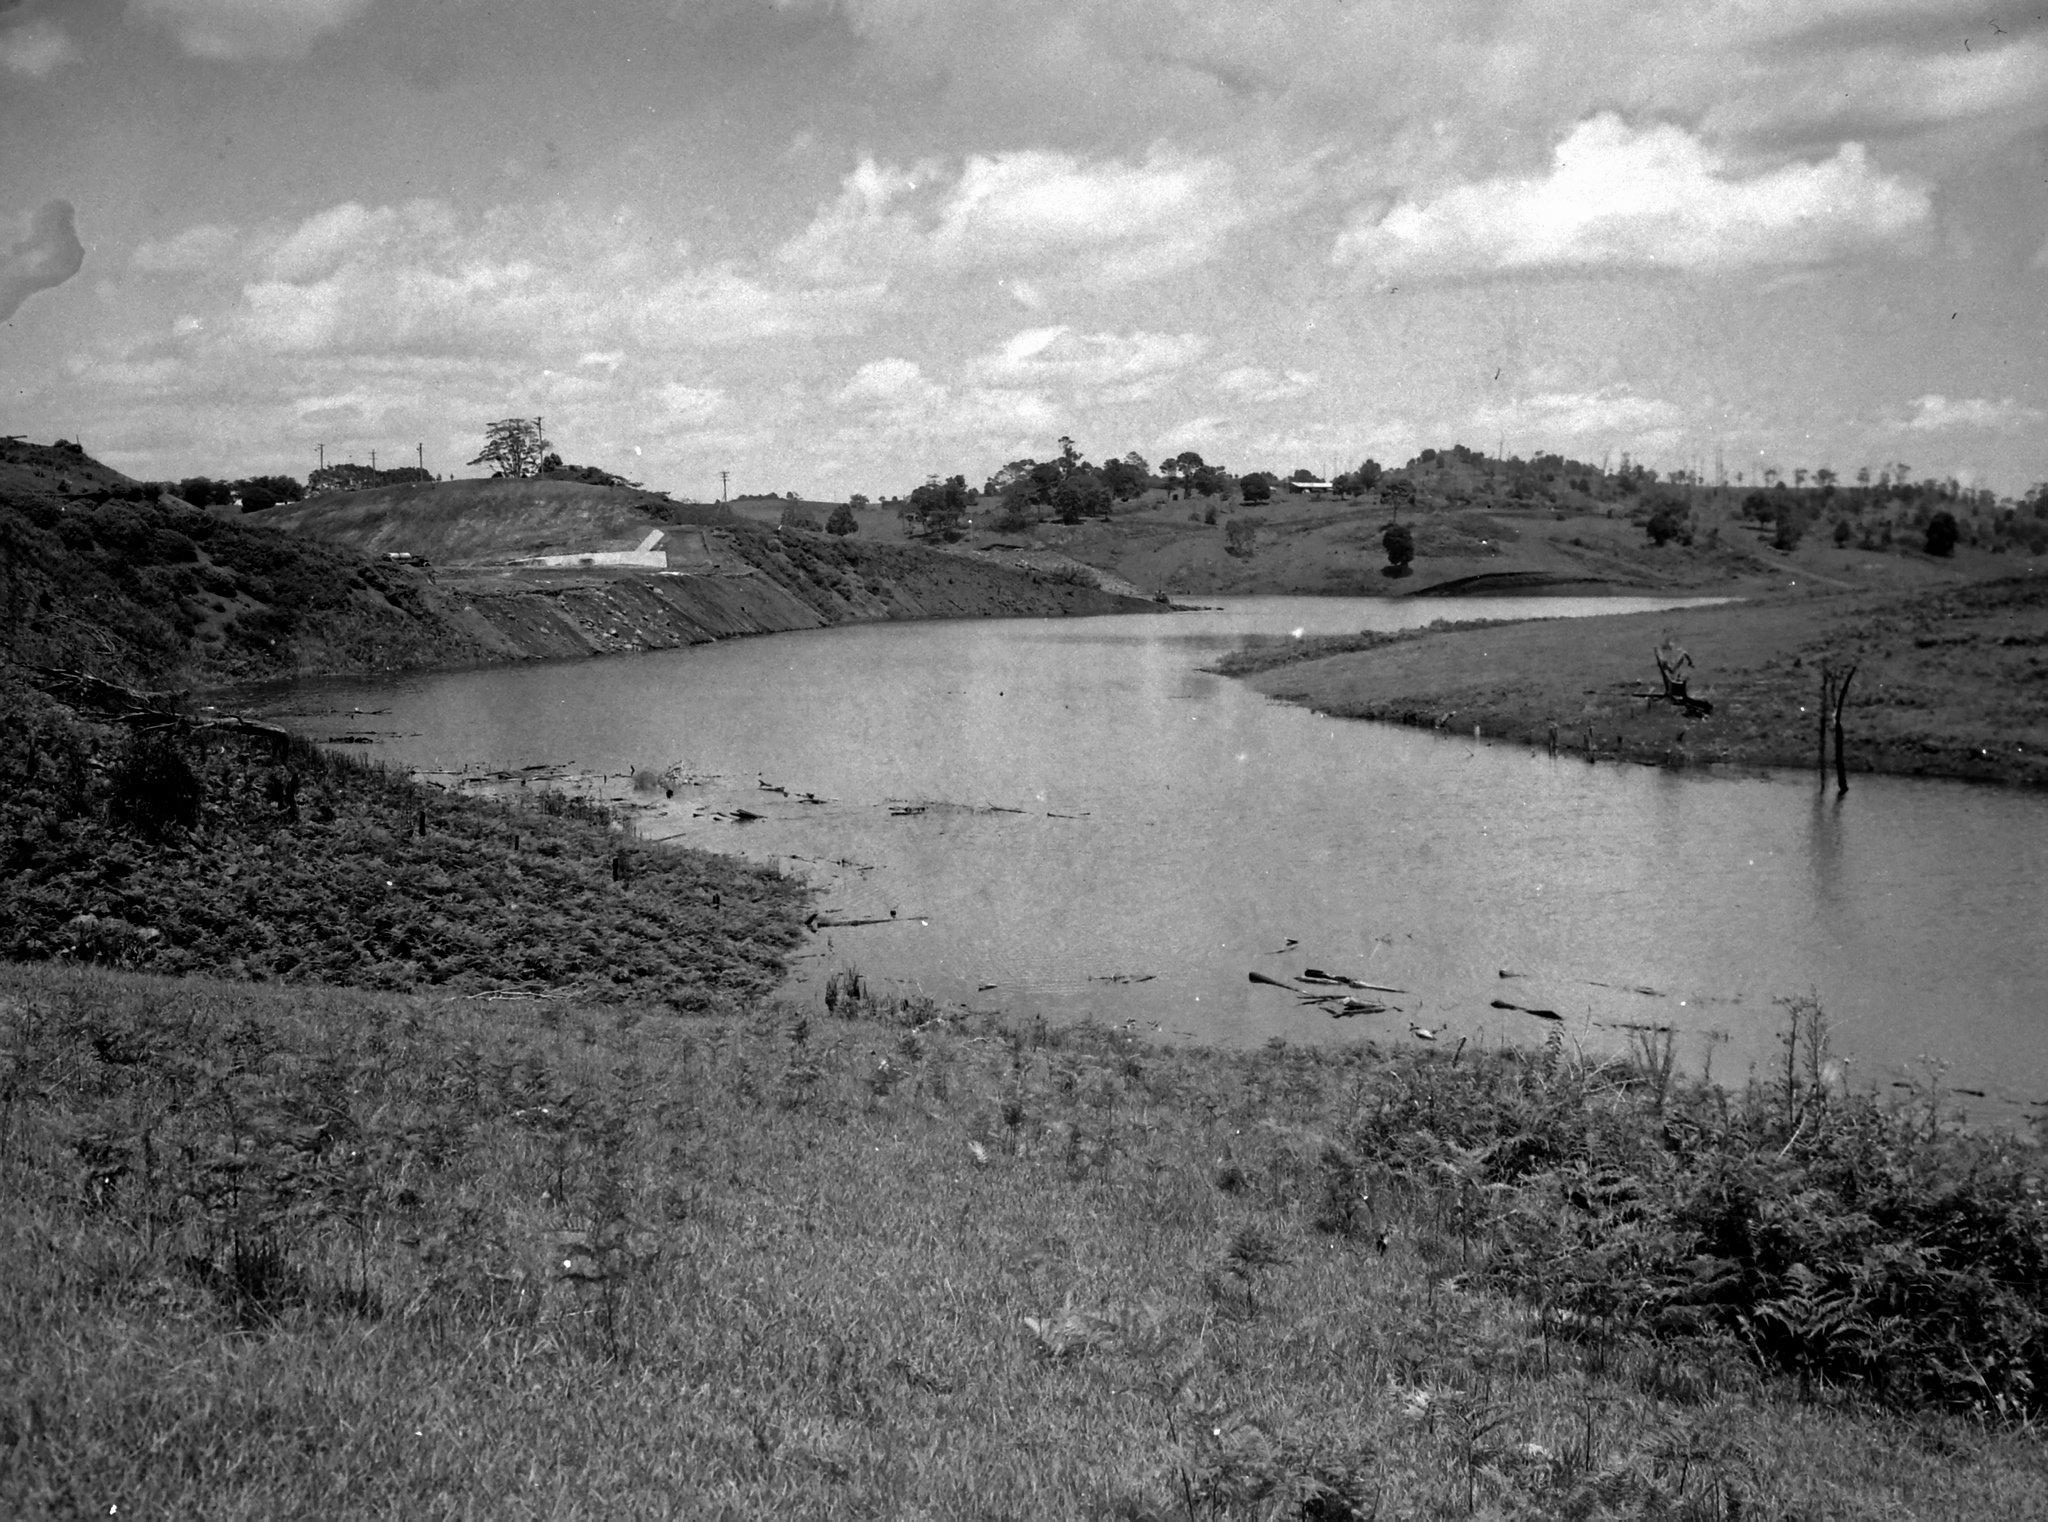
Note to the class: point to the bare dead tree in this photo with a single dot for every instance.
(1834, 698)
(1671, 663)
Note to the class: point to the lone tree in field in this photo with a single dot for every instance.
(1400, 546)
(842, 522)
(515, 446)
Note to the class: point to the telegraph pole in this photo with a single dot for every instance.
(721, 483)
(422, 448)
(323, 456)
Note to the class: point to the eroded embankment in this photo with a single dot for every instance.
(767, 584)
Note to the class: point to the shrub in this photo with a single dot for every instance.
(1399, 542)
(1942, 534)
(153, 787)
(1241, 537)
(1665, 524)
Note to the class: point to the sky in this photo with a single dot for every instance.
(834, 246)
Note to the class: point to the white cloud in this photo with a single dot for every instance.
(197, 250)
(235, 29)
(680, 403)
(1089, 361)
(417, 279)
(1655, 198)
(889, 383)
(1105, 222)
(1891, 85)
(36, 48)
(1934, 413)
(1255, 383)
(1609, 413)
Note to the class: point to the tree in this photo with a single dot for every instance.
(1124, 478)
(1081, 495)
(842, 522)
(939, 509)
(514, 446)
(1257, 487)
(858, 499)
(1400, 546)
(1241, 537)
(1942, 534)
(1665, 524)
(1791, 524)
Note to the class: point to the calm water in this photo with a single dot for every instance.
(1070, 815)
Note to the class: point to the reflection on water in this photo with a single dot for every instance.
(1068, 814)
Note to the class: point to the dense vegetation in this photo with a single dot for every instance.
(228, 853)
(156, 592)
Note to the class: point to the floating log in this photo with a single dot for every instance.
(1260, 977)
(1350, 1007)
(1317, 975)
(1523, 1009)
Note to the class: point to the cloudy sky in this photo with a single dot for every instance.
(835, 245)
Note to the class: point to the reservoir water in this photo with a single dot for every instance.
(1072, 816)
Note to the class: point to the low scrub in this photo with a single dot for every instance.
(1830, 1238)
(177, 851)
(298, 1252)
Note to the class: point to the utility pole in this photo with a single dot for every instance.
(721, 484)
(323, 456)
(422, 448)
(373, 459)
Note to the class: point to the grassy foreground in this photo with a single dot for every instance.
(278, 1251)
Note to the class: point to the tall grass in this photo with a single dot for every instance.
(276, 1251)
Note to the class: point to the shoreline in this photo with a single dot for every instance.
(1949, 684)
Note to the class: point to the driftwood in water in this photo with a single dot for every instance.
(1340, 980)
(1541, 1014)
(142, 710)
(1260, 977)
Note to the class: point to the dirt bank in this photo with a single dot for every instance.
(1950, 683)
(769, 583)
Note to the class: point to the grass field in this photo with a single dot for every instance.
(1950, 681)
(275, 1251)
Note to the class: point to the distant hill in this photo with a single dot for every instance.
(59, 469)
(487, 522)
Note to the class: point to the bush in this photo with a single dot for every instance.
(1665, 524)
(152, 787)
(1942, 534)
(842, 522)
(1241, 537)
(1399, 542)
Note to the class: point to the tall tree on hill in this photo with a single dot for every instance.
(515, 446)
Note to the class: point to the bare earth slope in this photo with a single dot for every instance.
(468, 522)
